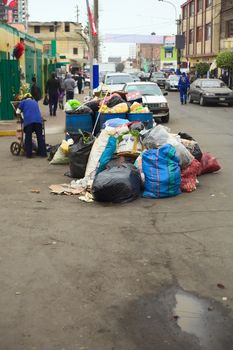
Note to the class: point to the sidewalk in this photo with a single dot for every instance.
(53, 125)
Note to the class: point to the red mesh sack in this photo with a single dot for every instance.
(209, 164)
(189, 176)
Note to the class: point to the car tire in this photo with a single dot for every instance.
(230, 104)
(165, 119)
(190, 100)
(202, 101)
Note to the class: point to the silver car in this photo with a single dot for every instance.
(172, 83)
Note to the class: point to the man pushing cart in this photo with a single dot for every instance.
(31, 121)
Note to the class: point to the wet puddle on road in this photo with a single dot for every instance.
(194, 316)
(177, 320)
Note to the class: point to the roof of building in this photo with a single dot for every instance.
(58, 23)
(20, 34)
(186, 3)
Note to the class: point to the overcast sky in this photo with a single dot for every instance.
(116, 16)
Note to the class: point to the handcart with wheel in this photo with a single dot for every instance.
(17, 147)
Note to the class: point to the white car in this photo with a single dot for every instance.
(172, 82)
(152, 97)
(114, 82)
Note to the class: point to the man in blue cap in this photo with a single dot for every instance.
(32, 122)
(183, 85)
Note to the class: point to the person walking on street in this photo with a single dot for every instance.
(53, 89)
(35, 90)
(80, 81)
(69, 85)
(32, 122)
(183, 86)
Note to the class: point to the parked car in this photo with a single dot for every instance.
(152, 97)
(114, 81)
(159, 78)
(210, 91)
(172, 83)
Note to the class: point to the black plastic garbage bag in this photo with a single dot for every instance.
(196, 152)
(79, 154)
(115, 100)
(94, 105)
(52, 151)
(81, 110)
(184, 135)
(84, 110)
(139, 126)
(117, 185)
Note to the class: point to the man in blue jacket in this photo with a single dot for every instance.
(32, 121)
(183, 85)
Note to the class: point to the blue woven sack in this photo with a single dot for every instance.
(162, 172)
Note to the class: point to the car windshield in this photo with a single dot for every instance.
(145, 89)
(174, 77)
(158, 75)
(212, 84)
(118, 79)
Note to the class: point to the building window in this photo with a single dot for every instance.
(199, 5)
(229, 29)
(75, 50)
(208, 31)
(199, 34)
(191, 36)
(51, 28)
(208, 3)
(184, 12)
(168, 52)
(192, 8)
(37, 29)
(67, 27)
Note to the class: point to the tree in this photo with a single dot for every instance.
(202, 68)
(224, 60)
(120, 67)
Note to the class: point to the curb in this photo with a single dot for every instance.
(8, 133)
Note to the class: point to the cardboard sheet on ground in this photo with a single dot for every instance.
(66, 189)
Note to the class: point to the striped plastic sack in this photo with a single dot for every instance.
(162, 172)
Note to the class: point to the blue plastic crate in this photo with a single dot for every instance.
(74, 122)
(141, 117)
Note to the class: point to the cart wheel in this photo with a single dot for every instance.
(15, 148)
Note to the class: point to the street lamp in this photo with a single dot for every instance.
(177, 21)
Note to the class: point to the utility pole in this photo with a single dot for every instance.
(96, 38)
(77, 14)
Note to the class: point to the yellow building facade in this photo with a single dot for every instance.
(71, 43)
(201, 23)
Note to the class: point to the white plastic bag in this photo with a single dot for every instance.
(96, 152)
(60, 157)
(156, 137)
(182, 152)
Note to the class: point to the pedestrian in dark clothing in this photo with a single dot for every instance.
(32, 121)
(183, 86)
(69, 85)
(35, 90)
(80, 83)
(53, 89)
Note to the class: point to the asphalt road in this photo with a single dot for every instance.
(77, 276)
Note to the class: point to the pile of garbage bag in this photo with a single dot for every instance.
(127, 161)
(114, 103)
